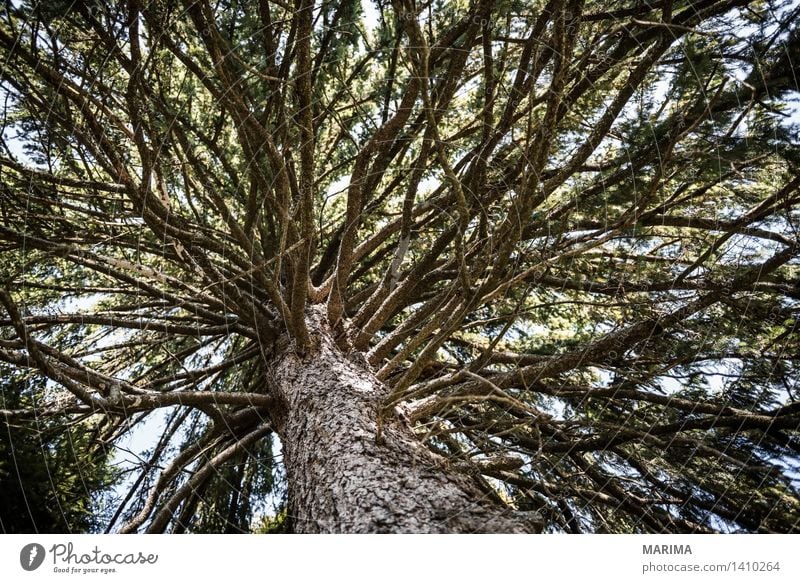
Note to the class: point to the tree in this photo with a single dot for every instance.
(54, 470)
(480, 266)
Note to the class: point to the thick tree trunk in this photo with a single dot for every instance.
(345, 477)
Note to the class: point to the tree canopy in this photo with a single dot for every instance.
(562, 234)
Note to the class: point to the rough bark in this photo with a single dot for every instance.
(349, 473)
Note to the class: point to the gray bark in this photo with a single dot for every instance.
(345, 475)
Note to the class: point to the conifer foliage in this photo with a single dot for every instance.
(562, 236)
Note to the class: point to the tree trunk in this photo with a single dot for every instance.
(346, 476)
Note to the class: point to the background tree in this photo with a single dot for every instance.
(481, 266)
(53, 470)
